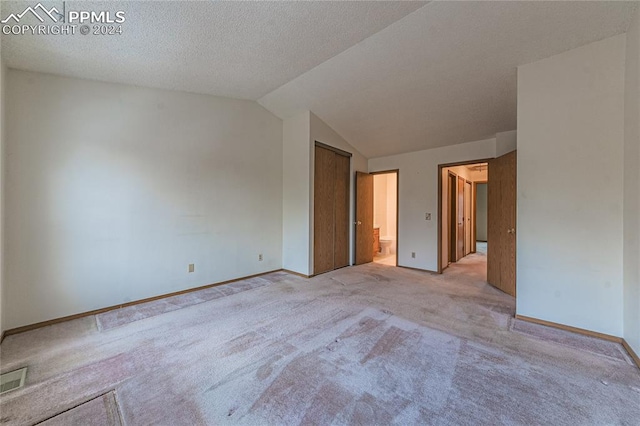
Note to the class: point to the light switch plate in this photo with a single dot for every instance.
(427, 216)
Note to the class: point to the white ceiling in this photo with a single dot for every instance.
(233, 49)
(445, 74)
(390, 77)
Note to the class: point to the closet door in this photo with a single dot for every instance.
(331, 210)
(324, 210)
(341, 248)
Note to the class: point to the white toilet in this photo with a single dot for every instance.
(386, 244)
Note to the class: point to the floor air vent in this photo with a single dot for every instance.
(12, 380)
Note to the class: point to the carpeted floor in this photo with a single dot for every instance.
(365, 345)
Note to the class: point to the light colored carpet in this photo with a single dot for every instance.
(371, 344)
(101, 411)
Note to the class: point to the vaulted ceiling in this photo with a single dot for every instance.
(390, 77)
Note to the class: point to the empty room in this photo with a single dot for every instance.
(310, 212)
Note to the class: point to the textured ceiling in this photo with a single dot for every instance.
(233, 49)
(390, 77)
(443, 75)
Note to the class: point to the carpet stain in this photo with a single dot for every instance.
(369, 410)
(327, 405)
(242, 343)
(267, 369)
(284, 398)
(390, 341)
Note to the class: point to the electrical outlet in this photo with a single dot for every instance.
(413, 254)
(260, 257)
(192, 267)
(427, 216)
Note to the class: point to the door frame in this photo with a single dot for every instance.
(397, 172)
(469, 221)
(460, 211)
(475, 209)
(452, 229)
(439, 224)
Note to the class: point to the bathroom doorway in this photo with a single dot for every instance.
(385, 217)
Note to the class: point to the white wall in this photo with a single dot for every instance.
(384, 204)
(392, 215)
(296, 182)
(631, 185)
(3, 311)
(321, 132)
(470, 175)
(418, 178)
(506, 142)
(570, 180)
(113, 190)
(299, 137)
(380, 202)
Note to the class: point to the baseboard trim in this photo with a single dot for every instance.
(572, 329)
(634, 356)
(585, 332)
(296, 273)
(419, 270)
(35, 326)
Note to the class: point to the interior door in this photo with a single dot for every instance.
(467, 218)
(341, 213)
(364, 218)
(323, 210)
(452, 218)
(460, 220)
(501, 223)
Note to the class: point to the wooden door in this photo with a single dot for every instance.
(501, 223)
(467, 218)
(452, 218)
(341, 214)
(330, 210)
(364, 218)
(460, 220)
(323, 210)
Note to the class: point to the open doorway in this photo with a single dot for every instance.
(470, 195)
(463, 211)
(481, 206)
(385, 217)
